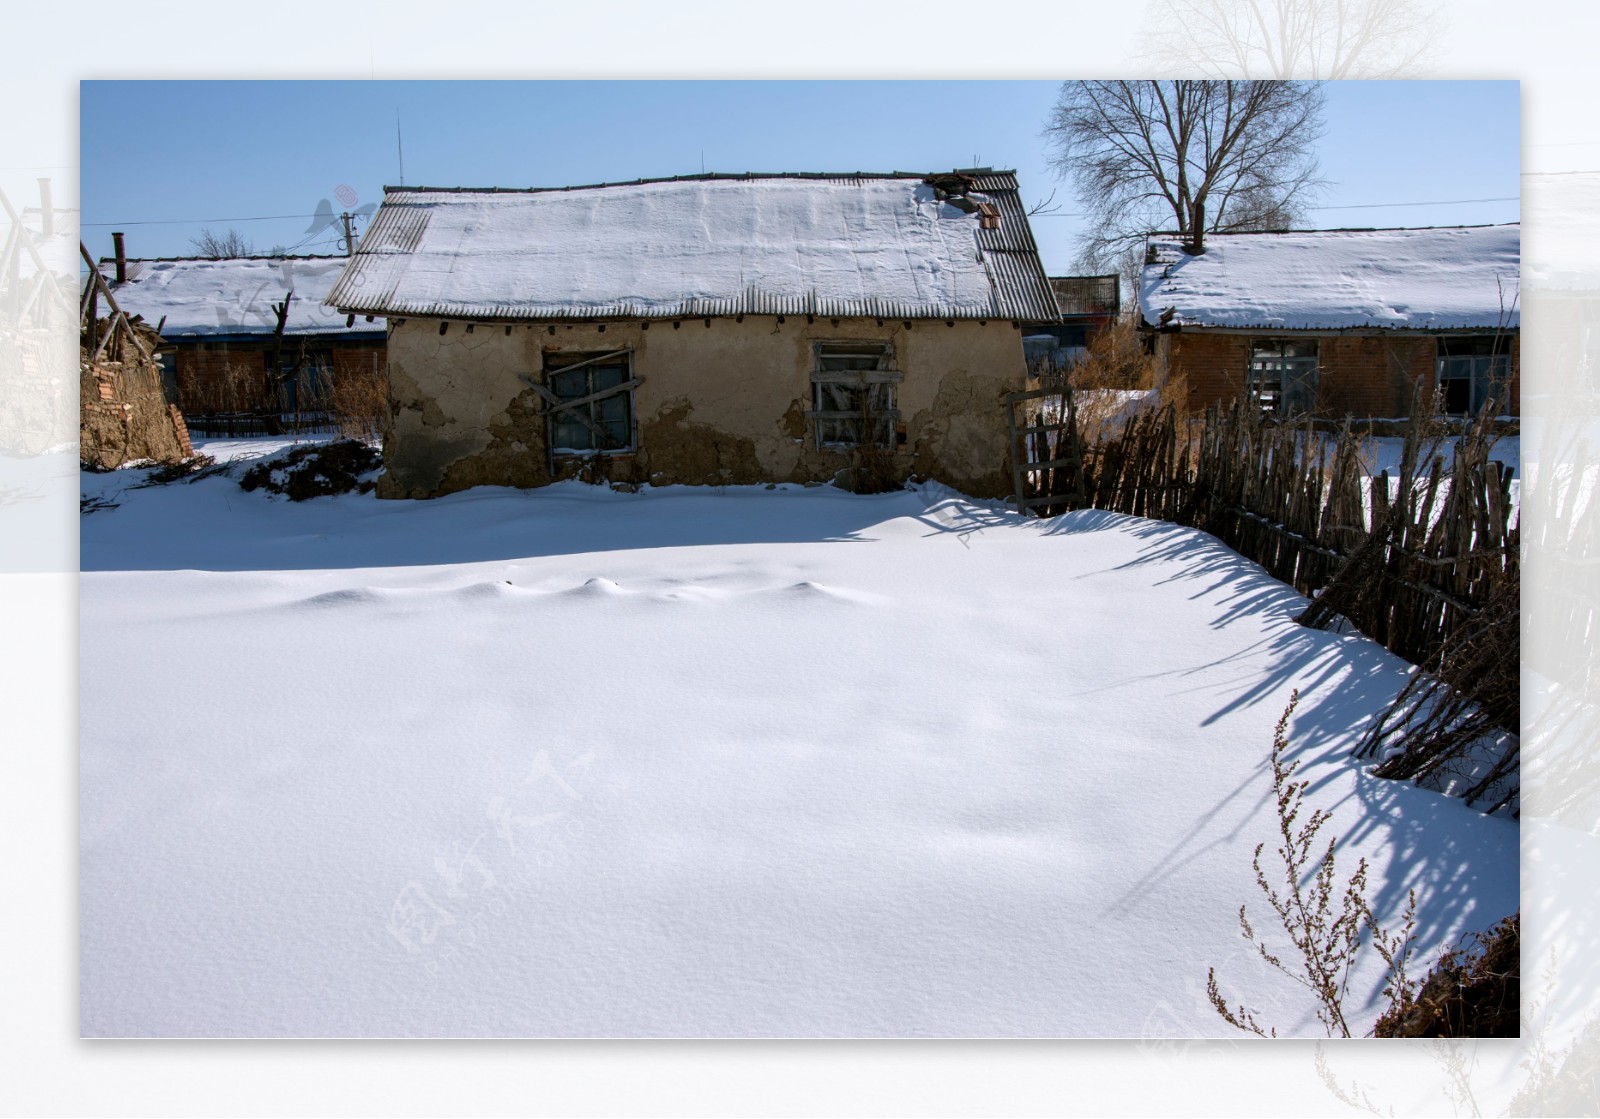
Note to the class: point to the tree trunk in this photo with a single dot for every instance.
(1197, 229)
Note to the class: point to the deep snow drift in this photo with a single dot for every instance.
(692, 762)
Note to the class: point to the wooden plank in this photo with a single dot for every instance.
(1031, 394)
(585, 362)
(579, 416)
(560, 404)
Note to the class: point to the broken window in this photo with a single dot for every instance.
(853, 385)
(1473, 369)
(590, 401)
(1283, 375)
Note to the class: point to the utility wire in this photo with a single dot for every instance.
(1386, 205)
(199, 221)
(1358, 205)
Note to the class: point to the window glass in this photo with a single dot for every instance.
(603, 424)
(1473, 370)
(1283, 375)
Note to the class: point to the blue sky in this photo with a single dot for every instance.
(161, 160)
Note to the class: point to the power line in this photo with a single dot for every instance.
(1360, 205)
(198, 221)
(1443, 202)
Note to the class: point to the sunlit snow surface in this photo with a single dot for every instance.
(701, 762)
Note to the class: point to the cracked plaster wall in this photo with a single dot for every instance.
(719, 404)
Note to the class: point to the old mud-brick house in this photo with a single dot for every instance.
(1342, 322)
(704, 329)
(224, 352)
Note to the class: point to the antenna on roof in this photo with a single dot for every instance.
(398, 148)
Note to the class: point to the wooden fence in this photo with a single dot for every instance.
(235, 424)
(1407, 560)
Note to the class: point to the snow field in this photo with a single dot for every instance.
(701, 763)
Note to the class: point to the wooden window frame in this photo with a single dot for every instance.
(582, 407)
(880, 380)
(1305, 371)
(1487, 374)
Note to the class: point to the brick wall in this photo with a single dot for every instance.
(359, 361)
(1358, 375)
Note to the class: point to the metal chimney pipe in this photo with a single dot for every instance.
(46, 208)
(122, 257)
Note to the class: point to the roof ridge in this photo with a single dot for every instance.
(221, 259)
(705, 176)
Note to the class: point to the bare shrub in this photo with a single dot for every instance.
(1115, 358)
(1113, 366)
(359, 402)
(1324, 919)
(1469, 992)
(1474, 991)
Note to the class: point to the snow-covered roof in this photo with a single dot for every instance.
(841, 245)
(234, 296)
(1457, 278)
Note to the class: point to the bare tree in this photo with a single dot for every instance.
(1290, 38)
(1199, 156)
(216, 247)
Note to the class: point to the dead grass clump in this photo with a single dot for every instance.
(317, 470)
(359, 402)
(1471, 992)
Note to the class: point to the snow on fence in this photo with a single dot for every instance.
(1426, 563)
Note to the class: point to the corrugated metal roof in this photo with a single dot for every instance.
(836, 245)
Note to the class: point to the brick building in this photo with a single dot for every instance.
(1339, 322)
(219, 326)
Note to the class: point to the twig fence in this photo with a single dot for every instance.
(234, 424)
(1407, 560)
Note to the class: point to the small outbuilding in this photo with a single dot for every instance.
(1341, 322)
(247, 339)
(722, 329)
